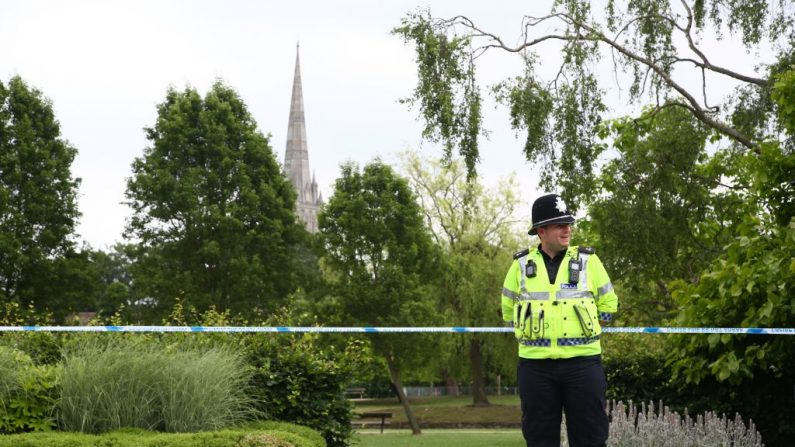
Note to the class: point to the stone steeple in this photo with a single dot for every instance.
(296, 157)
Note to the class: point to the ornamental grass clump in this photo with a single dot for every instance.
(204, 391)
(145, 384)
(11, 362)
(646, 426)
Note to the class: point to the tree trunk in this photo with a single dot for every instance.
(395, 376)
(479, 398)
(451, 384)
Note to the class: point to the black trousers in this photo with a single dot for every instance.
(575, 386)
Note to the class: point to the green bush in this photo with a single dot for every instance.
(752, 284)
(278, 435)
(296, 380)
(27, 393)
(135, 382)
(44, 348)
(635, 368)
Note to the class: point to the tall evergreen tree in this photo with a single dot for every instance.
(213, 213)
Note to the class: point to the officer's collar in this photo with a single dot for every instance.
(560, 254)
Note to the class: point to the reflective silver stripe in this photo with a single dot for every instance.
(522, 264)
(583, 285)
(577, 341)
(605, 289)
(571, 293)
(510, 293)
(526, 296)
(541, 222)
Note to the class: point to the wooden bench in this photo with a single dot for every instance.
(350, 392)
(372, 418)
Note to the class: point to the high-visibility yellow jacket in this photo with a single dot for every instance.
(561, 320)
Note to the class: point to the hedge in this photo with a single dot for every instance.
(278, 435)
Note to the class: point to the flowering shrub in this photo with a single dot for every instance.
(661, 427)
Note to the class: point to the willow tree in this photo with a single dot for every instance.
(476, 229)
(655, 43)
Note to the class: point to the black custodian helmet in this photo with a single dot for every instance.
(549, 209)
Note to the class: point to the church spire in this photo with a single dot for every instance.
(296, 155)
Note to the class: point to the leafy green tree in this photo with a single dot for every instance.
(668, 205)
(213, 215)
(113, 279)
(648, 40)
(379, 259)
(706, 237)
(475, 227)
(663, 211)
(38, 208)
(751, 284)
(71, 282)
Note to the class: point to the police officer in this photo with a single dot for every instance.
(556, 296)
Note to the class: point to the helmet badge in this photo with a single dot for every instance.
(560, 205)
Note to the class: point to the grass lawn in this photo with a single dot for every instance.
(442, 438)
(449, 410)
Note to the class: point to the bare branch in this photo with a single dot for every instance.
(706, 64)
(645, 78)
(650, 16)
(687, 33)
(595, 35)
(534, 42)
(667, 105)
(560, 73)
(704, 92)
(700, 113)
(676, 60)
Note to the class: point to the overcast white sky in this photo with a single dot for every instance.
(106, 64)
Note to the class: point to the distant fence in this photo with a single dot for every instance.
(436, 391)
(386, 330)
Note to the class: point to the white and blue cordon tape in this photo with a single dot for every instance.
(386, 330)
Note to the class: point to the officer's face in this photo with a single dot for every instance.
(555, 237)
